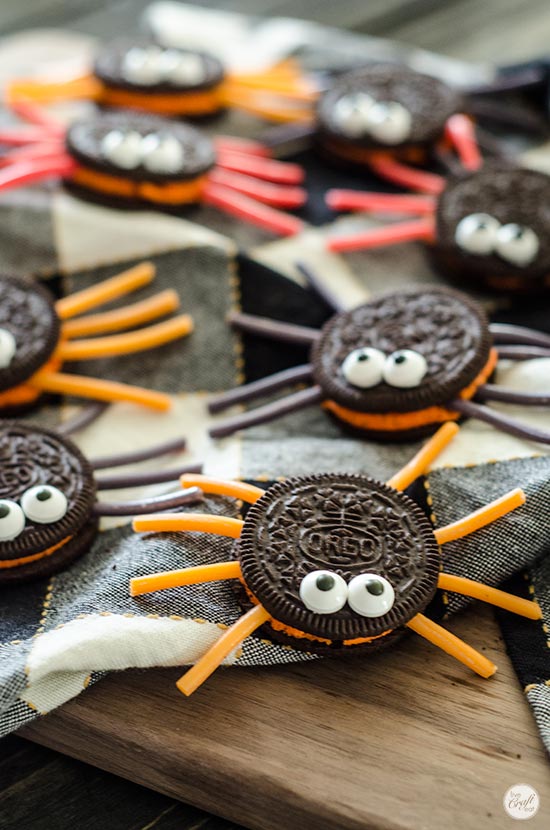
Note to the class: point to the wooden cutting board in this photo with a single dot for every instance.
(408, 740)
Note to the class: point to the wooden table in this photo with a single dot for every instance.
(424, 745)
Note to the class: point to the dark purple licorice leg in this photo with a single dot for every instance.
(522, 78)
(285, 133)
(175, 445)
(263, 414)
(144, 479)
(134, 508)
(519, 335)
(502, 422)
(510, 115)
(491, 392)
(522, 352)
(86, 416)
(249, 391)
(319, 288)
(273, 329)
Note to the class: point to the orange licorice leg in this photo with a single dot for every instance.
(422, 460)
(84, 86)
(104, 292)
(199, 522)
(187, 576)
(123, 318)
(476, 590)
(482, 517)
(215, 655)
(457, 648)
(99, 390)
(461, 133)
(220, 487)
(247, 101)
(279, 87)
(128, 343)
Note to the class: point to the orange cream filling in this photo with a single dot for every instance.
(13, 563)
(178, 103)
(169, 194)
(395, 421)
(364, 155)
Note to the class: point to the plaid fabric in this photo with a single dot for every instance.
(58, 635)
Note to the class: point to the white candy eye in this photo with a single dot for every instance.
(517, 244)
(162, 154)
(44, 504)
(370, 595)
(351, 114)
(143, 66)
(477, 233)
(122, 149)
(364, 367)
(8, 348)
(323, 592)
(405, 369)
(182, 68)
(390, 122)
(12, 520)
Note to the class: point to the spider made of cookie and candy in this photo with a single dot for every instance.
(39, 335)
(393, 368)
(333, 563)
(135, 160)
(49, 506)
(176, 82)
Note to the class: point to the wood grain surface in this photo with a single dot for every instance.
(409, 739)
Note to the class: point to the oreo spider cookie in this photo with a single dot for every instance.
(385, 106)
(492, 227)
(47, 494)
(389, 367)
(338, 561)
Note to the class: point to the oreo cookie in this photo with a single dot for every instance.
(491, 228)
(47, 496)
(382, 107)
(339, 561)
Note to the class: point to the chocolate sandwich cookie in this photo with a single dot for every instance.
(384, 107)
(339, 561)
(492, 228)
(47, 494)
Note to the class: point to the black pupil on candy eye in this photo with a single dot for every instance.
(374, 587)
(362, 357)
(4, 511)
(325, 582)
(43, 495)
(400, 358)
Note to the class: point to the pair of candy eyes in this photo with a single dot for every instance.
(326, 592)
(358, 114)
(156, 152)
(42, 504)
(368, 367)
(8, 347)
(154, 65)
(482, 234)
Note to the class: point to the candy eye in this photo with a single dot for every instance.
(12, 520)
(405, 369)
(44, 504)
(477, 233)
(370, 595)
(8, 347)
(517, 244)
(162, 154)
(364, 367)
(390, 122)
(142, 66)
(122, 149)
(351, 114)
(181, 68)
(323, 592)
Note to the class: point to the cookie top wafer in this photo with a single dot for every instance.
(386, 105)
(403, 351)
(370, 540)
(145, 67)
(29, 330)
(140, 147)
(47, 491)
(495, 221)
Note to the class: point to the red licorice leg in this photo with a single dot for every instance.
(407, 176)
(247, 146)
(419, 229)
(283, 196)
(279, 172)
(380, 202)
(250, 210)
(25, 172)
(460, 131)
